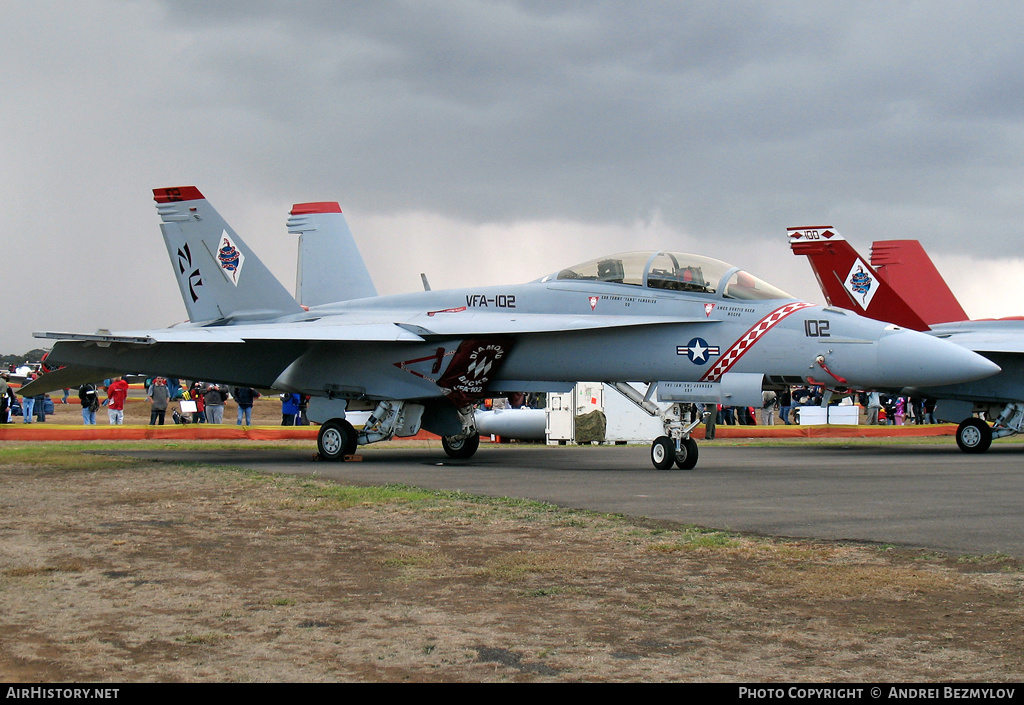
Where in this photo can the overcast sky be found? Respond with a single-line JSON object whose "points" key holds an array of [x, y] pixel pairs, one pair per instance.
{"points": [[495, 142]]}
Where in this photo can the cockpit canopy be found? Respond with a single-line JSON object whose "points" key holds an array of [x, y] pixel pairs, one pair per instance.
{"points": [[673, 271]]}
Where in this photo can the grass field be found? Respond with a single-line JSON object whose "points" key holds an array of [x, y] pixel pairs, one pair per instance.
{"points": [[115, 569]]}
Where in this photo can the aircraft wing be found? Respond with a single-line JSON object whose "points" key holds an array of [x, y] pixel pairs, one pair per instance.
{"points": [[985, 340], [89, 357], [67, 378], [306, 331], [97, 356]]}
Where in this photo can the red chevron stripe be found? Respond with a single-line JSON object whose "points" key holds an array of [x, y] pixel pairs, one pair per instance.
{"points": [[749, 339]]}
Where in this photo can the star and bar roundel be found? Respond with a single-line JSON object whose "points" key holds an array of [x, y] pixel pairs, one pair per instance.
{"points": [[731, 356], [698, 351]]}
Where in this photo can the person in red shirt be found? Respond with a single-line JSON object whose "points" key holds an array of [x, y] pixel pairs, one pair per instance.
{"points": [[117, 393]]}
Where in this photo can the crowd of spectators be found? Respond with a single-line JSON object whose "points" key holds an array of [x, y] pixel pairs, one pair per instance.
{"points": [[202, 402], [31, 409], [784, 408]]}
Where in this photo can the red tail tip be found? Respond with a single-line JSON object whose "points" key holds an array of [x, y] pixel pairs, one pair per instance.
{"points": [[319, 207], [177, 193]]}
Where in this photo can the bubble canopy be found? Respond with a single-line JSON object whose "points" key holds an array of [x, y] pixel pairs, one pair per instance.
{"points": [[672, 271]]}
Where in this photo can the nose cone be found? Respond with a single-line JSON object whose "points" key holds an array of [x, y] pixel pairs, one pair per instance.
{"points": [[911, 359]]}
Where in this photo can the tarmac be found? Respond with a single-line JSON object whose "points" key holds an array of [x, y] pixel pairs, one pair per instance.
{"points": [[927, 495]]}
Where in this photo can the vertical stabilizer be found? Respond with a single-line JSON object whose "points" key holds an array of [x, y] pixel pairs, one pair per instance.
{"points": [[219, 277], [330, 267], [848, 281], [910, 271]]}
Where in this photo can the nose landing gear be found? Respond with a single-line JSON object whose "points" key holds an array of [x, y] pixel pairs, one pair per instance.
{"points": [[682, 451]]}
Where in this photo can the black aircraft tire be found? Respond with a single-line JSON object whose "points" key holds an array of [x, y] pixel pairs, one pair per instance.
{"points": [[663, 452], [973, 435], [462, 448], [687, 459], [336, 439]]}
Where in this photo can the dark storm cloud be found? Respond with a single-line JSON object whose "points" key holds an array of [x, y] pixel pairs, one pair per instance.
{"points": [[569, 127], [716, 114]]}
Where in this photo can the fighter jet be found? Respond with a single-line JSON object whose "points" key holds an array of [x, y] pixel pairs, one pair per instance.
{"points": [[691, 328], [905, 288]]}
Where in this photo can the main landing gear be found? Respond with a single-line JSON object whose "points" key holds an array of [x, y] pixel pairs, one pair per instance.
{"points": [[338, 439], [975, 435], [460, 448], [465, 444]]}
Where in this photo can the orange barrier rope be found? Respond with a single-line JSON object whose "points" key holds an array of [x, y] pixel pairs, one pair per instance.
{"points": [[830, 431], [102, 432]]}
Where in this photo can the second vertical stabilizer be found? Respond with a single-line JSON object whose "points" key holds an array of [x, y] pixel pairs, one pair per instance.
{"points": [[330, 267], [910, 271]]}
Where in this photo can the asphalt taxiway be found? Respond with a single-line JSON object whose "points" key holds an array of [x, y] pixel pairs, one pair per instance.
{"points": [[926, 496]]}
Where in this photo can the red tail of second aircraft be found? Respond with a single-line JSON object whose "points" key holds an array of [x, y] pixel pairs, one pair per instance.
{"points": [[848, 281], [909, 271]]}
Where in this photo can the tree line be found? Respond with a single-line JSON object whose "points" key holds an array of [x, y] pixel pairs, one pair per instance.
{"points": [[31, 356]]}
